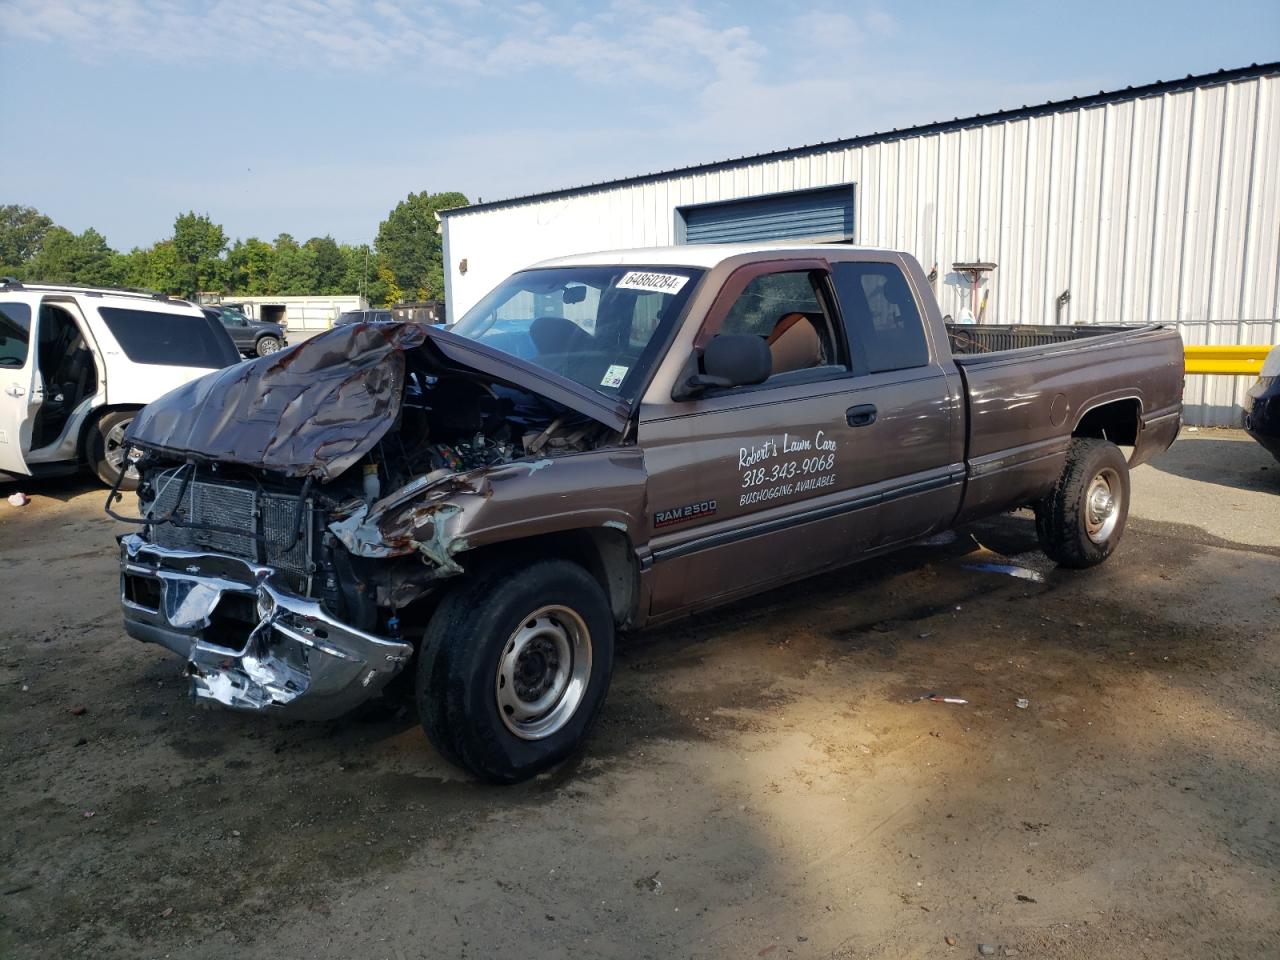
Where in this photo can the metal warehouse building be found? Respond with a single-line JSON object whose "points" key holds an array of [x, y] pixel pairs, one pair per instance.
{"points": [[1152, 204]]}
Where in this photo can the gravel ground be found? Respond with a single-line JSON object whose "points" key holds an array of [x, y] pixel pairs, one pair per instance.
{"points": [[763, 781]]}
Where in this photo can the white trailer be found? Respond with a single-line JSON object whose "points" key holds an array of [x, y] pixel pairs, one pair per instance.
{"points": [[300, 315]]}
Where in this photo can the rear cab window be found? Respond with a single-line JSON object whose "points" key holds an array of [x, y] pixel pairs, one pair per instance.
{"points": [[885, 330], [169, 339]]}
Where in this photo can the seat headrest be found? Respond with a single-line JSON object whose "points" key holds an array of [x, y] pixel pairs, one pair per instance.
{"points": [[795, 344]]}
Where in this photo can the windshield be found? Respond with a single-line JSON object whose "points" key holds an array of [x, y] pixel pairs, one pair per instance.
{"points": [[597, 326]]}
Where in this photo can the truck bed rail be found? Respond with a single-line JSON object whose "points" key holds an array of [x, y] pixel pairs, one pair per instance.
{"points": [[968, 339]]}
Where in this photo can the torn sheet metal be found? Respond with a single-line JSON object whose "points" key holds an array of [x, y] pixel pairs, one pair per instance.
{"points": [[312, 410], [401, 524], [424, 528]]}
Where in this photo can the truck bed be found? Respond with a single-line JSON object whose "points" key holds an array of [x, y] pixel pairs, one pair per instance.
{"points": [[1029, 389]]}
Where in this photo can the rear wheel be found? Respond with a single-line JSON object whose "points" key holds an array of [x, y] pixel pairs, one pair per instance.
{"points": [[1081, 521], [107, 452], [267, 345], [515, 668]]}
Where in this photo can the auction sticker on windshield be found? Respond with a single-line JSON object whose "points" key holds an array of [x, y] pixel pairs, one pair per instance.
{"points": [[652, 282], [614, 376]]}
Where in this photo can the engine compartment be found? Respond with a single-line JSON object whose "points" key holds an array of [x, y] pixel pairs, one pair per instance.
{"points": [[453, 424]]}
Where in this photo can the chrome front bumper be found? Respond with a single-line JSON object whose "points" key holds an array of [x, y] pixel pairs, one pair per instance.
{"points": [[287, 655]]}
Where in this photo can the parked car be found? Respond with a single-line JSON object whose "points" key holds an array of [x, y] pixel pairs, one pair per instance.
{"points": [[78, 363], [696, 424], [253, 338], [363, 316], [1262, 405]]}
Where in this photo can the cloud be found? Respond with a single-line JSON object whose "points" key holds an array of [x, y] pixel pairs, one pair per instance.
{"points": [[623, 42], [584, 92]]}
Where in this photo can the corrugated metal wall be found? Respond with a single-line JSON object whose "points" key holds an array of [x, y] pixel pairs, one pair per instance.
{"points": [[1164, 209]]}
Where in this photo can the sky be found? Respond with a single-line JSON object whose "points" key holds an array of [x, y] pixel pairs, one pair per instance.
{"points": [[316, 117]]}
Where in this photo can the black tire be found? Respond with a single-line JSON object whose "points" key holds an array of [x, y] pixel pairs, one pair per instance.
{"points": [[266, 345], [1074, 524], [104, 451], [470, 636]]}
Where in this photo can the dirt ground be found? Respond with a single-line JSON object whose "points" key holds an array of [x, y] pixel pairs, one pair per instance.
{"points": [[763, 781]]}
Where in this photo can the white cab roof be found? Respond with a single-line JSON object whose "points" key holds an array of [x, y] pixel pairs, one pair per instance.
{"points": [[704, 255]]}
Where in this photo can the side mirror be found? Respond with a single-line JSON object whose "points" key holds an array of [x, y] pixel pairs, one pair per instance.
{"points": [[730, 360]]}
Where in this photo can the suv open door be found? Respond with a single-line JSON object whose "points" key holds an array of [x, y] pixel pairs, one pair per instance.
{"points": [[21, 391]]}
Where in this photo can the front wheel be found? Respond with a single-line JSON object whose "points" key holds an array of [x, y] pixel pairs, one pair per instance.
{"points": [[107, 452], [515, 667], [1082, 519], [267, 346]]}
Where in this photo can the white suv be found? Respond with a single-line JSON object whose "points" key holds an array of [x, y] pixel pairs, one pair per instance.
{"points": [[76, 364]]}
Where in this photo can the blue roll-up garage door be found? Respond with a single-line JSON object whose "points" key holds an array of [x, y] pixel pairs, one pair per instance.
{"points": [[823, 214]]}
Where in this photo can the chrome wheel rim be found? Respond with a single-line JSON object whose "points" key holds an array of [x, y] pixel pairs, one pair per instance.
{"points": [[116, 451], [543, 672], [268, 345], [1102, 505]]}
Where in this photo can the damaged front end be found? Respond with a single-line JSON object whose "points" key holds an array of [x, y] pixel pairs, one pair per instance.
{"points": [[250, 641], [267, 554]]}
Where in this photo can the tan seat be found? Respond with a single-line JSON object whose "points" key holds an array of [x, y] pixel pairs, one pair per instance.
{"points": [[794, 344]]}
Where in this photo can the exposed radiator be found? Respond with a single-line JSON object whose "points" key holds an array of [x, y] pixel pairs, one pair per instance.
{"points": [[238, 508]]}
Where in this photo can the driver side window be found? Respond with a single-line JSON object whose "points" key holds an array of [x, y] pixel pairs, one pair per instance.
{"points": [[788, 311]]}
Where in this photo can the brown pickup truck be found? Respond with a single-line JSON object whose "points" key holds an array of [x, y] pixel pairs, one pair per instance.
{"points": [[601, 443]]}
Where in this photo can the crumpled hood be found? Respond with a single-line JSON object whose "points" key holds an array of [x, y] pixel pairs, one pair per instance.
{"points": [[314, 409]]}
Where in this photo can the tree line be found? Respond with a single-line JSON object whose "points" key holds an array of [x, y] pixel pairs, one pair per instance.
{"points": [[404, 263]]}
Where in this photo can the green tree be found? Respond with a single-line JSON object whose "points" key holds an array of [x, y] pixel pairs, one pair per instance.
{"points": [[22, 229], [131, 267], [330, 265], [199, 244], [410, 244], [294, 270], [391, 292], [65, 257], [361, 273], [157, 267], [249, 266]]}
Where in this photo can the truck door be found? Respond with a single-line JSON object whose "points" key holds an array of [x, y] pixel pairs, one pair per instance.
{"points": [[20, 389], [753, 486], [910, 451]]}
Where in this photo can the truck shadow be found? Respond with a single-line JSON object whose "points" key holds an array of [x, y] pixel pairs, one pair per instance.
{"points": [[61, 489], [1238, 463]]}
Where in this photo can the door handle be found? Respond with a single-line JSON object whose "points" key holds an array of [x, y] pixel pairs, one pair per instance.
{"points": [[863, 415], [16, 391]]}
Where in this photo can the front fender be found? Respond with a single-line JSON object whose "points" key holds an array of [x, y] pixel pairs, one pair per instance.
{"points": [[442, 517]]}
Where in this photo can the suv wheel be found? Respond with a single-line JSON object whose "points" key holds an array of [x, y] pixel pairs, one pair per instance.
{"points": [[107, 450], [514, 669], [267, 345], [1080, 522]]}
